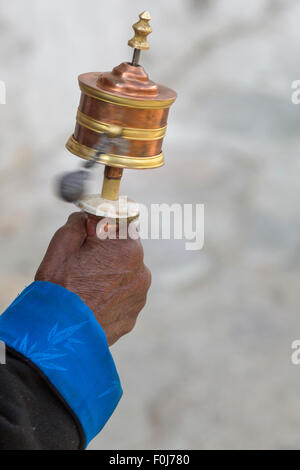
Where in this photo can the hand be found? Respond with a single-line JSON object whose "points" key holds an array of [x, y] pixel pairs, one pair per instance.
{"points": [[108, 275]]}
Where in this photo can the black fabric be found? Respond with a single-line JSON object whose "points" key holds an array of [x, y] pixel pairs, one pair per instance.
{"points": [[33, 416]]}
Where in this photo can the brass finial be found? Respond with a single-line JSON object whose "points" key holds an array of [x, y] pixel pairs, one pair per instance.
{"points": [[142, 30]]}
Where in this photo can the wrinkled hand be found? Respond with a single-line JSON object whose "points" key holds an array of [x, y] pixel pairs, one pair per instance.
{"points": [[108, 275]]}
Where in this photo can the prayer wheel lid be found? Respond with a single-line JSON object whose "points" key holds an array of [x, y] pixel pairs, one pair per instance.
{"points": [[126, 81], [129, 80]]}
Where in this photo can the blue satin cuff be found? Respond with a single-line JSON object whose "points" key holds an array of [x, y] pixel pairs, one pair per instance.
{"points": [[56, 330]]}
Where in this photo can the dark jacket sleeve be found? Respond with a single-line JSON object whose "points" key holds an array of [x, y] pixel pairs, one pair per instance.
{"points": [[59, 385], [33, 416]]}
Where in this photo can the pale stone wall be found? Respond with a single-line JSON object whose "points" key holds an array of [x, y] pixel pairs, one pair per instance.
{"points": [[208, 365]]}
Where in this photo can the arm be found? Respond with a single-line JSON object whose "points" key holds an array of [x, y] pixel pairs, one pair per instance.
{"points": [[86, 295]]}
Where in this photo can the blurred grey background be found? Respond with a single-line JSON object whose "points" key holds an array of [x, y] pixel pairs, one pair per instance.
{"points": [[208, 365]]}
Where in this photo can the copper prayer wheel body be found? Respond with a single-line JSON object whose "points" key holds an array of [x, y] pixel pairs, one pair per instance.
{"points": [[127, 98]]}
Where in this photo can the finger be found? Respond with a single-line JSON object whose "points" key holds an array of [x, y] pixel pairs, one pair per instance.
{"points": [[109, 229], [78, 220], [102, 229], [70, 237], [116, 256], [91, 226]]}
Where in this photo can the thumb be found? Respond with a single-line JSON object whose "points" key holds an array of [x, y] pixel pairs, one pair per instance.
{"points": [[70, 237]]}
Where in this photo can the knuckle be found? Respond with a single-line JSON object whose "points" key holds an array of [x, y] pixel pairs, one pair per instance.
{"points": [[136, 251], [70, 231], [128, 328], [76, 223], [130, 322], [138, 307], [147, 278], [65, 232], [62, 231], [139, 251], [142, 304], [76, 217], [131, 325], [60, 235]]}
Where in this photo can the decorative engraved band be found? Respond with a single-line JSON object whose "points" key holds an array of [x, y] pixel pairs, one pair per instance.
{"points": [[128, 132], [122, 101], [119, 161]]}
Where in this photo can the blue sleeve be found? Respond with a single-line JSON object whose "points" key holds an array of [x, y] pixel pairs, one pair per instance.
{"points": [[55, 329]]}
